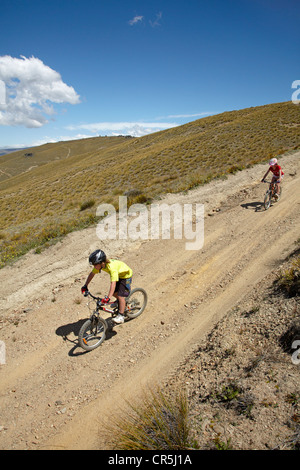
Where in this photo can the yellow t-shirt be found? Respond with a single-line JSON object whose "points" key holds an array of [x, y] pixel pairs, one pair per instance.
{"points": [[117, 270]]}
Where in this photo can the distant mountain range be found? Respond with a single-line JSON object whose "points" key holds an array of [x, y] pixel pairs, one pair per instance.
{"points": [[5, 151]]}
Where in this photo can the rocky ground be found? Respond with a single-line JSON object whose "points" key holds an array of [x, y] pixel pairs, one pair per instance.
{"points": [[243, 380], [211, 314]]}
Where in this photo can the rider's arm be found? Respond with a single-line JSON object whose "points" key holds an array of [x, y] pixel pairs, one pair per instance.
{"points": [[266, 174], [112, 289], [89, 278]]}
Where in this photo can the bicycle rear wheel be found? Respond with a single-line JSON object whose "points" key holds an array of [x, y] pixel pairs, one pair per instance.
{"points": [[267, 200], [92, 334], [136, 302]]}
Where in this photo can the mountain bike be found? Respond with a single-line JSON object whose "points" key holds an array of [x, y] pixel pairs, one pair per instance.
{"points": [[271, 194], [93, 331]]}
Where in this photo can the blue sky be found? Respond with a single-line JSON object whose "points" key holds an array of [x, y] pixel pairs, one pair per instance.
{"points": [[74, 68]]}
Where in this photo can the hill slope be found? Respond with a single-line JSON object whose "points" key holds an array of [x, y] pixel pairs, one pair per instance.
{"points": [[51, 390], [57, 189]]}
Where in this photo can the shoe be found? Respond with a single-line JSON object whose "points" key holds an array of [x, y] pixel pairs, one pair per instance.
{"points": [[119, 318], [276, 197]]}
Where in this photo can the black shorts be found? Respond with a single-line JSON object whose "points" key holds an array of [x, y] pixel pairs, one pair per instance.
{"points": [[123, 287]]}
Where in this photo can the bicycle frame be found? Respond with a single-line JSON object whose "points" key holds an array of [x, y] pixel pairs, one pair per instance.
{"points": [[101, 306], [272, 186], [270, 193]]}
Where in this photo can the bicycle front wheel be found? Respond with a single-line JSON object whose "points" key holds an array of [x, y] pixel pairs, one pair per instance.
{"points": [[136, 302], [92, 334], [267, 200]]}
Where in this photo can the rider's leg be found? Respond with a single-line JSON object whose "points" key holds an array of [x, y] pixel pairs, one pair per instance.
{"points": [[122, 291], [274, 180], [120, 317], [122, 304], [277, 186]]}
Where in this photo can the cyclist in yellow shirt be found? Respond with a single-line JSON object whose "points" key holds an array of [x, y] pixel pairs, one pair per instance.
{"points": [[120, 279]]}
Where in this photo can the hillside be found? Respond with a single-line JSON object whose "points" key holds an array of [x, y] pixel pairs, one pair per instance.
{"points": [[25, 160], [56, 396], [242, 380], [55, 188], [10, 150]]}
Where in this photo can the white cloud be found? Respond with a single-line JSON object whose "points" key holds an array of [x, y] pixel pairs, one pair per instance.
{"points": [[31, 88], [136, 129], [189, 115], [135, 20], [156, 22], [62, 138]]}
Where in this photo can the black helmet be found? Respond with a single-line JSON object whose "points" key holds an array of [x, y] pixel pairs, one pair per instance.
{"points": [[97, 257]]}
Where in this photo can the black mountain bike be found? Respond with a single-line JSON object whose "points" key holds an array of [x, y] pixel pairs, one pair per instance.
{"points": [[93, 331]]}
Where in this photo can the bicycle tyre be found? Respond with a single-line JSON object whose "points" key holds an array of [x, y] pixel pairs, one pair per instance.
{"points": [[135, 305], [267, 200], [91, 336]]}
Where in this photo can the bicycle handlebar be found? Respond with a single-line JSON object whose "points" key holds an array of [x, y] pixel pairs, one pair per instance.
{"points": [[87, 293], [98, 299], [269, 182]]}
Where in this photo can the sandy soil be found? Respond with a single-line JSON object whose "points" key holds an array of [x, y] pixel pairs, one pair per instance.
{"points": [[53, 395]]}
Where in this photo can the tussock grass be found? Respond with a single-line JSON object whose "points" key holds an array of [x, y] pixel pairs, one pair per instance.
{"points": [[159, 422], [57, 184], [289, 279], [87, 204]]}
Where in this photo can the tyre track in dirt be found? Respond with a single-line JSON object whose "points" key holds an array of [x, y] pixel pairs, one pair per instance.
{"points": [[52, 394]]}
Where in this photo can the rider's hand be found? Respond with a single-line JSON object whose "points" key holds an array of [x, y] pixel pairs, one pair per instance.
{"points": [[84, 289], [105, 300]]}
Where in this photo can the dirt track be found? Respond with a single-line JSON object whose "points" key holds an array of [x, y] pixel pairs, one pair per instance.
{"points": [[53, 394]]}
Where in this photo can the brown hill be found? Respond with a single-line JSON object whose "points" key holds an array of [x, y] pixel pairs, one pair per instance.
{"points": [[56, 187]]}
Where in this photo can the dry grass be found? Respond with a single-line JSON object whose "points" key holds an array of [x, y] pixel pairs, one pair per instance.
{"points": [[288, 280], [160, 422], [59, 187]]}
